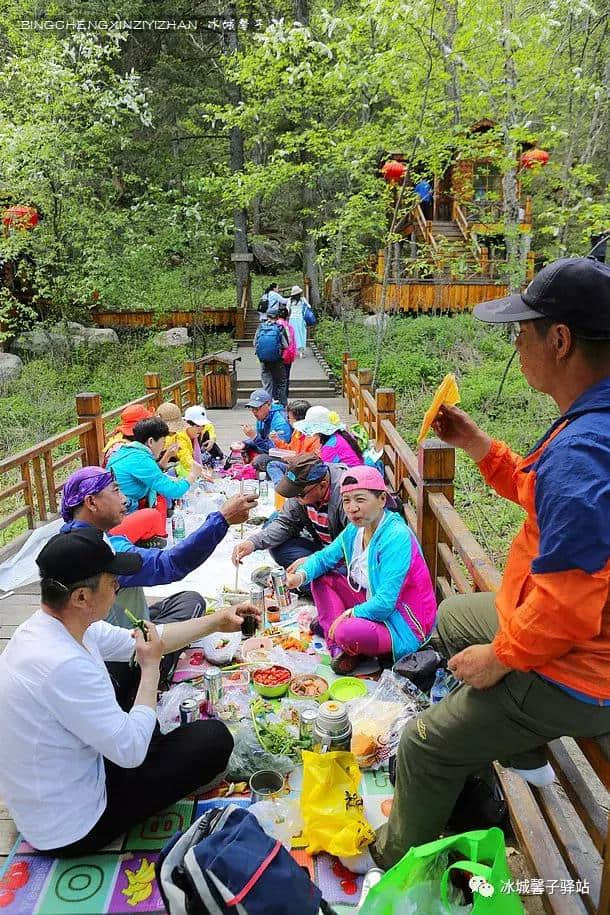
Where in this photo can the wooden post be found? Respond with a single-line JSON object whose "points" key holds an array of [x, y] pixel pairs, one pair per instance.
{"points": [[484, 260], [365, 383], [385, 401], [529, 275], [89, 409], [190, 373], [436, 467], [240, 324], [344, 375], [152, 383], [351, 367]]}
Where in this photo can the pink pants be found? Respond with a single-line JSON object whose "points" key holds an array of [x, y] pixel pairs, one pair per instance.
{"points": [[332, 595], [143, 524]]}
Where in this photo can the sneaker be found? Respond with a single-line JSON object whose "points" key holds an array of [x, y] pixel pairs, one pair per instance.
{"points": [[344, 663], [316, 629], [541, 777], [153, 543]]}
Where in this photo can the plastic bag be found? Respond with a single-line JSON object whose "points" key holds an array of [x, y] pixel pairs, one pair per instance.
{"points": [[378, 719], [422, 881], [332, 809], [297, 662], [249, 757], [168, 707], [279, 818], [221, 647]]}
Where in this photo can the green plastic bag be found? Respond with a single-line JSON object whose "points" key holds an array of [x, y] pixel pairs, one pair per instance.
{"points": [[421, 881]]}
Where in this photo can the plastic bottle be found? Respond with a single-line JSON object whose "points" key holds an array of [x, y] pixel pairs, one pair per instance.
{"points": [[439, 689], [263, 486], [178, 522]]}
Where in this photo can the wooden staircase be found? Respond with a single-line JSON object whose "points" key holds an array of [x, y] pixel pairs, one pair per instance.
{"points": [[453, 252]]}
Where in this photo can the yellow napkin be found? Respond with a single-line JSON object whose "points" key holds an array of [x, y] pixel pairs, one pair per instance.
{"points": [[447, 392]]}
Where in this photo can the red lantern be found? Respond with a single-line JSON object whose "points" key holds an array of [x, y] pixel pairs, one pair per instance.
{"points": [[393, 171], [534, 157], [20, 217]]}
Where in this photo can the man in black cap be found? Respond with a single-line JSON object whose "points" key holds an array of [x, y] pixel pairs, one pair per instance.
{"points": [[311, 518], [76, 771], [534, 659]]}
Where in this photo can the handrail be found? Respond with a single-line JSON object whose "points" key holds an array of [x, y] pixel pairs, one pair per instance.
{"points": [[424, 228]]}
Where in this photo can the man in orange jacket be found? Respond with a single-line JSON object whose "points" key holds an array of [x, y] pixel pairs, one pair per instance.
{"points": [[534, 659]]}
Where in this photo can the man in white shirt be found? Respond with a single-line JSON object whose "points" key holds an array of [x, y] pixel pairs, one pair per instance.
{"points": [[76, 771]]}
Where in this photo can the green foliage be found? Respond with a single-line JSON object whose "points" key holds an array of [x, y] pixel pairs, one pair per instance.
{"points": [[417, 353]]}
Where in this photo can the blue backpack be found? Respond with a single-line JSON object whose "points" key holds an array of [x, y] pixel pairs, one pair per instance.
{"points": [[269, 342], [226, 863]]}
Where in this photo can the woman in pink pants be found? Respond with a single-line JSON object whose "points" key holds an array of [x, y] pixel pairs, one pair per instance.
{"points": [[385, 603]]}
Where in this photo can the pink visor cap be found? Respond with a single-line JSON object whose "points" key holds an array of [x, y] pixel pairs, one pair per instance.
{"points": [[362, 477]]}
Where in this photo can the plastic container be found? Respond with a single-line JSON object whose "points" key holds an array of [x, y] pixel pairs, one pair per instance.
{"points": [[271, 692], [346, 688]]}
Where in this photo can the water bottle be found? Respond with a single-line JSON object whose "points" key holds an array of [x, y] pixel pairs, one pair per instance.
{"points": [[178, 523], [263, 485], [440, 688]]}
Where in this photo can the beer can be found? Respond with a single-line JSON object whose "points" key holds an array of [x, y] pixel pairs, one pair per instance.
{"points": [[306, 722], [278, 580], [189, 711], [213, 688]]}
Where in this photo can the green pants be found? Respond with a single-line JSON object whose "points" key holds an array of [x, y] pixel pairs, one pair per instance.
{"points": [[511, 722]]}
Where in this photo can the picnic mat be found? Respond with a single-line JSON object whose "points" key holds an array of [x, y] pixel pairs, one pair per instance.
{"points": [[121, 878]]}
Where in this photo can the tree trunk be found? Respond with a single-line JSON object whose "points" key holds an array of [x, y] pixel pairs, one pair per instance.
{"points": [[310, 264], [510, 195], [236, 161]]}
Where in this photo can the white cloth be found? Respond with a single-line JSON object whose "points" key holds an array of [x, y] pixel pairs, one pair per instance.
{"points": [[359, 563], [21, 569], [58, 718]]}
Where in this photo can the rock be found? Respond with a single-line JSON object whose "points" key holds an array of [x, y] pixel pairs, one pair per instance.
{"points": [[375, 320], [37, 341], [11, 367], [268, 253], [174, 336], [95, 336]]}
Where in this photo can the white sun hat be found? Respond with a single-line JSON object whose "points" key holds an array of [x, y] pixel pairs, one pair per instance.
{"points": [[320, 420]]}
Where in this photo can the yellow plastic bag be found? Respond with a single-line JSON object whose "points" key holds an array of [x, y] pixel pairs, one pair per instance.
{"points": [[331, 806], [447, 392]]}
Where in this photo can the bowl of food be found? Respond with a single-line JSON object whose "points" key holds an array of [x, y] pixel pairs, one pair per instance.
{"points": [[256, 649], [271, 682], [309, 686]]}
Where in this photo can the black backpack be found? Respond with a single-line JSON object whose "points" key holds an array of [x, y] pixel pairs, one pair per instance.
{"points": [[263, 304]]}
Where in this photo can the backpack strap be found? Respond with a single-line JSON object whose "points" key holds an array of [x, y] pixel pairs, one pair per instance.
{"points": [[260, 870]]}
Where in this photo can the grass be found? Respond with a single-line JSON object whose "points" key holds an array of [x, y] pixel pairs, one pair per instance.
{"points": [[417, 353]]}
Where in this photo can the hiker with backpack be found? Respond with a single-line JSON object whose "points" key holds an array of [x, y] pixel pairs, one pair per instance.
{"points": [[290, 353], [270, 342], [269, 297]]}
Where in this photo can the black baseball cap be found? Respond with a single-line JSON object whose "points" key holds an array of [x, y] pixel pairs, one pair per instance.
{"points": [[82, 553], [573, 291], [305, 471]]}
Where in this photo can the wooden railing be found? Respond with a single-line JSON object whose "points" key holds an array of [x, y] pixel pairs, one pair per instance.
{"points": [[31, 480], [424, 227], [425, 484]]}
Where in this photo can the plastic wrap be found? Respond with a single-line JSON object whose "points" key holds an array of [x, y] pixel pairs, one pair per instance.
{"points": [[221, 647], [297, 662], [249, 757], [168, 707], [378, 719], [279, 818]]}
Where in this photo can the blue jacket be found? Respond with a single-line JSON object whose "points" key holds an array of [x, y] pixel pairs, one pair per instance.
{"points": [[140, 477], [275, 421], [401, 592], [160, 567]]}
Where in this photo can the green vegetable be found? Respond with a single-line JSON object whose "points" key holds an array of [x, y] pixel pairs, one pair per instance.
{"points": [[139, 624], [274, 736]]}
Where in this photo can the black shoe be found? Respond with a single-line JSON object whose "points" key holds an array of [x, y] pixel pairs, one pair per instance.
{"points": [[480, 805], [153, 543]]}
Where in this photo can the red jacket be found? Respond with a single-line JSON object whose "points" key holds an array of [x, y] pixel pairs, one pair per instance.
{"points": [[554, 602]]}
